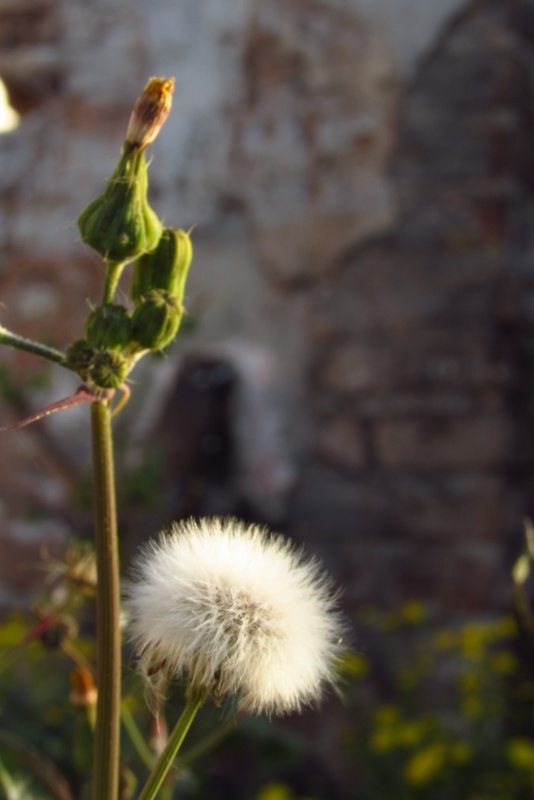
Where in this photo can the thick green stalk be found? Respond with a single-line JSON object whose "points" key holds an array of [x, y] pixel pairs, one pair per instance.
{"points": [[38, 349], [157, 776], [107, 731]]}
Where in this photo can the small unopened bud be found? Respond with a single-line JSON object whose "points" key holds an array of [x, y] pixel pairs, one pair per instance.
{"points": [[149, 112], [166, 267], [109, 327], [156, 319], [120, 224], [83, 692], [80, 357], [108, 369], [63, 628]]}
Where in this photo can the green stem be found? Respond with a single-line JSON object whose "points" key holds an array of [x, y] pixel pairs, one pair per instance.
{"points": [[38, 349], [207, 743], [157, 776], [113, 274], [107, 732], [136, 737]]}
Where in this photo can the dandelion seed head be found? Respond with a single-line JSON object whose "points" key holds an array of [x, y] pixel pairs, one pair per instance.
{"points": [[239, 612]]}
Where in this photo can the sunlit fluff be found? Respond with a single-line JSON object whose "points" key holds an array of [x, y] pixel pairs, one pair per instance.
{"points": [[237, 611]]}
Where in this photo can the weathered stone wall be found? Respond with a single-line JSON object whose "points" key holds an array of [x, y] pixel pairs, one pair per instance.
{"points": [[423, 339], [358, 369]]}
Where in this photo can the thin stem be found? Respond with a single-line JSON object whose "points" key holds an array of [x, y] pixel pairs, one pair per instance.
{"points": [[113, 274], [157, 776], [136, 737], [206, 744], [38, 349], [107, 733]]}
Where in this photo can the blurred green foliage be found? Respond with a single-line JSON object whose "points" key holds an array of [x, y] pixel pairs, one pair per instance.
{"points": [[430, 712], [443, 713]]}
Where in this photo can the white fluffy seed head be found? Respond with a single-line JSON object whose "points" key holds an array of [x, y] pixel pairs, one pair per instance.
{"points": [[238, 612]]}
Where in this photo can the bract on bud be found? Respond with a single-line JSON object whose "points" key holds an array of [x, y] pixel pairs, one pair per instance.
{"points": [[109, 327], [149, 113], [156, 319], [166, 267], [79, 358], [108, 369], [120, 225]]}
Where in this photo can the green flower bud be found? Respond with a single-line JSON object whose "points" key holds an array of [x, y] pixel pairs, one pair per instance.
{"points": [[120, 225], [109, 327], [108, 369], [166, 267], [156, 319], [79, 358]]}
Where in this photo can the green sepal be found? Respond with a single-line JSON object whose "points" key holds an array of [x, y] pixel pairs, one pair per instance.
{"points": [[120, 225], [156, 319], [166, 267], [109, 327]]}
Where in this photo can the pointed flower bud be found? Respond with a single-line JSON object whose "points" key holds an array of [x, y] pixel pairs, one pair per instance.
{"points": [[166, 267], [109, 327], [108, 369], [120, 225], [156, 319], [149, 113]]}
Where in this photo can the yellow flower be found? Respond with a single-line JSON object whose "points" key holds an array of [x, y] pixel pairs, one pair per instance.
{"points": [[411, 733], [275, 791], [475, 638], [426, 765], [504, 662], [386, 715], [520, 753], [354, 664], [384, 740], [460, 752], [413, 612]]}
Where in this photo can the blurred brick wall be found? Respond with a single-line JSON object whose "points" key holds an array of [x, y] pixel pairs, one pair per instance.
{"points": [[362, 203]]}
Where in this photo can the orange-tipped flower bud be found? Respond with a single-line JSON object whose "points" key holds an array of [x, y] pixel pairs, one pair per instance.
{"points": [[150, 112], [83, 690]]}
